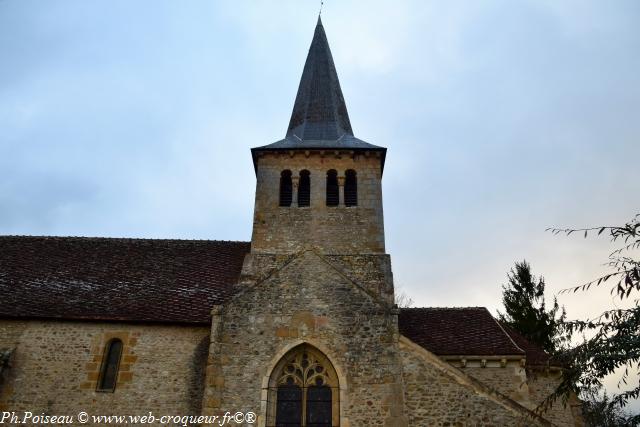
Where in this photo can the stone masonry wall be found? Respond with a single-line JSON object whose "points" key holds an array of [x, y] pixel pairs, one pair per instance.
{"points": [[55, 368], [541, 384], [510, 380], [435, 398], [309, 301], [10, 333], [527, 387], [372, 271], [339, 229]]}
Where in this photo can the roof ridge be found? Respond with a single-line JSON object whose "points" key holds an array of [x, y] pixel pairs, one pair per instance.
{"points": [[142, 239]]}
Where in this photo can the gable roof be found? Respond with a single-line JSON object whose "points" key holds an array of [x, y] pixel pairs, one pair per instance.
{"points": [[179, 281], [536, 356], [457, 331], [137, 280]]}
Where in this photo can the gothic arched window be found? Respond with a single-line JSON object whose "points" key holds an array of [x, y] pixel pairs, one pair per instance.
{"points": [[110, 365], [350, 188], [333, 190], [286, 188], [304, 189], [303, 391]]}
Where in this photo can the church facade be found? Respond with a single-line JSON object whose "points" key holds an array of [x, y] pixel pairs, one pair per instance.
{"points": [[298, 327]]}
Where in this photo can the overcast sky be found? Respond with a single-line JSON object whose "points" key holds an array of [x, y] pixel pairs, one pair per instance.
{"points": [[502, 118]]}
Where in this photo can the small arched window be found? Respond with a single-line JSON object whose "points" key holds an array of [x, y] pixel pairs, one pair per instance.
{"points": [[285, 188], [333, 191], [351, 188], [110, 365], [304, 189]]}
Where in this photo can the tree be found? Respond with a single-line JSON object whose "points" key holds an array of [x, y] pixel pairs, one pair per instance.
{"points": [[402, 300], [612, 341], [525, 309], [597, 411]]}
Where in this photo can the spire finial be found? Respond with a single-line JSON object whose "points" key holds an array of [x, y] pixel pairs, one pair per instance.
{"points": [[321, 3]]}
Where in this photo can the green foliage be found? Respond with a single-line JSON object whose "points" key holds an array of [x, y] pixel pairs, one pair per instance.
{"points": [[525, 310], [613, 342], [598, 411]]}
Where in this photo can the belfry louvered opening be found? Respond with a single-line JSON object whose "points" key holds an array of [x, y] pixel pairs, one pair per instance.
{"points": [[333, 191], [286, 188], [351, 188], [304, 189]]}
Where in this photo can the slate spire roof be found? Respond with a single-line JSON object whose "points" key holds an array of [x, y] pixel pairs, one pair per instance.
{"points": [[319, 112], [319, 120]]}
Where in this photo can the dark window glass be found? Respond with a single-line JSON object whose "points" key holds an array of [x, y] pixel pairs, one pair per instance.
{"points": [[332, 188], [304, 189], [351, 188], [285, 188], [289, 406], [319, 406], [110, 364]]}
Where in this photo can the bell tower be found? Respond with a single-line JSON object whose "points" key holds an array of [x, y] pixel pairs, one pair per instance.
{"points": [[320, 186], [311, 326]]}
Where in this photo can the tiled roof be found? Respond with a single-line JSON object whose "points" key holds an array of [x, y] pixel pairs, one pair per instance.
{"points": [[116, 279], [535, 355], [179, 281], [456, 331]]}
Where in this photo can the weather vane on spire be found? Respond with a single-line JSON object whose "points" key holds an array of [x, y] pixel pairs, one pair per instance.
{"points": [[321, 3]]}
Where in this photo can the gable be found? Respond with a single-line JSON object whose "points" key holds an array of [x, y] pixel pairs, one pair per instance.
{"points": [[178, 281], [436, 393], [309, 280]]}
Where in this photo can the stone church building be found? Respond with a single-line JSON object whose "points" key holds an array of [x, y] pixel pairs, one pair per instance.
{"points": [[298, 326]]}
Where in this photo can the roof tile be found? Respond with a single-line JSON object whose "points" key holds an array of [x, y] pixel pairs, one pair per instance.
{"points": [[179, 281], [456, 331], [116, 279]]}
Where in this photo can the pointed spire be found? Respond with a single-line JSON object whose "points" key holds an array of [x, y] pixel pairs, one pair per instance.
{"points": [[319, 120], [319, 112]]}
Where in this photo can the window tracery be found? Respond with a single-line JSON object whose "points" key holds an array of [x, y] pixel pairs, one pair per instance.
{"points": [[303, 391]]}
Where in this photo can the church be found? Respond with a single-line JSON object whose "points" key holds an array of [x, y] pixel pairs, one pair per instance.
{"points": [[298, 327]]}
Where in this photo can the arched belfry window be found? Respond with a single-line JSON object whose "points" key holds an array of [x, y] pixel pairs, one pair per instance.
{"points": [[286, 188], [110, 364], [304, 188], [351, 188], [303, 391], [333, 191]]}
